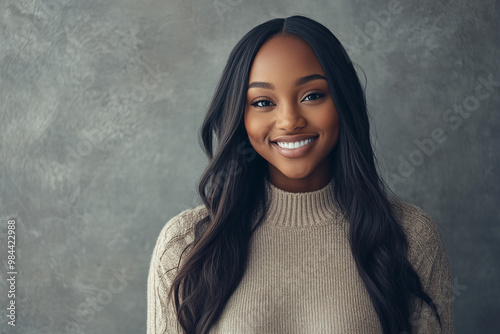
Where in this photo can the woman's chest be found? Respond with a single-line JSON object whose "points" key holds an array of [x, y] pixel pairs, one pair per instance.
{"points": [[299, 284]]}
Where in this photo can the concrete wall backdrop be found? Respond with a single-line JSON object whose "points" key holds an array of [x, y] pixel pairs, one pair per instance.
{"points": [[101, 102]]}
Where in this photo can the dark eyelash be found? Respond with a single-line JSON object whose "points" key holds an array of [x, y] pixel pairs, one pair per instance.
{"points": [[261, 100], [319, 93]]}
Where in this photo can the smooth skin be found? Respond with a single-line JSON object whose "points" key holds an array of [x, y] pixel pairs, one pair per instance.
{"points": [[282, 108]]}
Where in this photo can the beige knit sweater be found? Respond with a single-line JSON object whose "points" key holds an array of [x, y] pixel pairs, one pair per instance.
{"points": [[301, 276]]}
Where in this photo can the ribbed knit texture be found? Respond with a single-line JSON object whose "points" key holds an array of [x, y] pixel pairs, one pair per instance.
{"points": [[301, 276]]}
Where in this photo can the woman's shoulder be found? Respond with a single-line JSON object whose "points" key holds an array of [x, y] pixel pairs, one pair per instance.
{"points": [[413, 218], [422, 231], [177, 233], [183, 222]]}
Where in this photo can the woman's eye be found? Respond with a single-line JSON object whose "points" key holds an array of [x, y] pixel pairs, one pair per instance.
{"points": [[313, 96], [261, 103], [266, 103]]}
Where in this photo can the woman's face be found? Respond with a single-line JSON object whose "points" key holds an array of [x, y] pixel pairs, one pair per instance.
{"points": [[288, 100]]}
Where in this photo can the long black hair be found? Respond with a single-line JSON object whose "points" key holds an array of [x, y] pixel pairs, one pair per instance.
{"points": [[232, 189]]}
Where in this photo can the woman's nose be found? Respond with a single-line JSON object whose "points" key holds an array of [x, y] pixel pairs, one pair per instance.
{"points": [[289, 118]]}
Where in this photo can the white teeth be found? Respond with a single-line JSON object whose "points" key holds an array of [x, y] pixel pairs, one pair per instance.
{"points": [[294, 145]]}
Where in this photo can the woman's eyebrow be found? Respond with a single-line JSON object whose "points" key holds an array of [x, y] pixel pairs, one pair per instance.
{"points": [[300, 81]]}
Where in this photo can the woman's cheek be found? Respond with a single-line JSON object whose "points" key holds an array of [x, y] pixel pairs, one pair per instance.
{"points": [[255, 128], [328, 118]]}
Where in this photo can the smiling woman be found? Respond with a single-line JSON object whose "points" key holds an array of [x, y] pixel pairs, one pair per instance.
{"points": [[290, 119], [302, 236]]}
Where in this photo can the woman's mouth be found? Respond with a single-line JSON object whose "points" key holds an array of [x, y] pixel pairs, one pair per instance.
{"points": [[294, 149]]}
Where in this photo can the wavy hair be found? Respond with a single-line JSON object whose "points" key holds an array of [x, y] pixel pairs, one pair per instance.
{"points": [[232, 188]]}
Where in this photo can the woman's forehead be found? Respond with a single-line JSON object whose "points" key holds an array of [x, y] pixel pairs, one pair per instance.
{"points": [[284, 57]]}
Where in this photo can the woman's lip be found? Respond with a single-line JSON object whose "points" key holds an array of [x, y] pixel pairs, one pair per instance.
{"points": [[293, 139], [294, 152]]}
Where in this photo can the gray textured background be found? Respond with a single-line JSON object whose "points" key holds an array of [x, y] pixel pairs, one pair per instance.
{"points": [[101, 102]]}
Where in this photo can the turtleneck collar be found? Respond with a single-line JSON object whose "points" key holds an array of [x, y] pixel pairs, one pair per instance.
{"points": [[300, 209]]}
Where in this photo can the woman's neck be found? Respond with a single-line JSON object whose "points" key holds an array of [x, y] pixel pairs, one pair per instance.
{"points": [[300, 209]]}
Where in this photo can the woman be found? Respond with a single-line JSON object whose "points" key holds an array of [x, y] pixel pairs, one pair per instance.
{"points": [[297, 232]]}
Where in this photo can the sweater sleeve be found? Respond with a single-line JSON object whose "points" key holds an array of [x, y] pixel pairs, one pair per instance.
{"points": [[173, 238], [427, 253]]}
